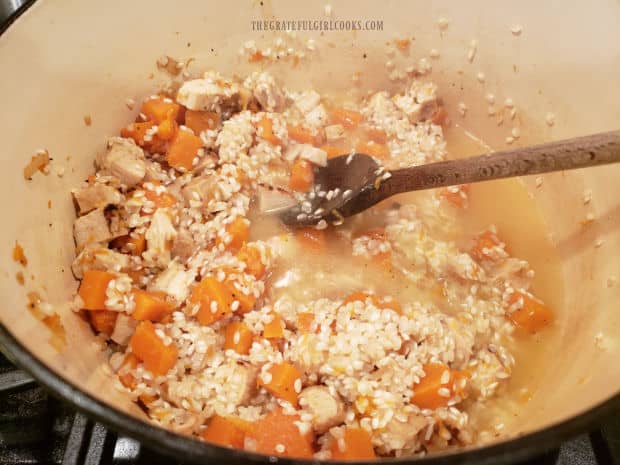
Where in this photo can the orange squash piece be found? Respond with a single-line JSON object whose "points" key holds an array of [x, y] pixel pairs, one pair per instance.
{"points": [[251, 256], [206, 292], [302, 176], [348, 118], [426, 392], [159, 110], [246, 301], [264, 129], [225, 431], [167, 129], [276, 429], [157, 357], [127, 379], [301, 135], [239, 232], [357, 446], [92, 289], [238, 337], [378, 136], [275, 328], [282, 382], [103, 321], [161, 200], [333, 151], [183, 149], [151, 306], [134, 244], [533, 316], [137, 131], [199, 121], [373, 149]]}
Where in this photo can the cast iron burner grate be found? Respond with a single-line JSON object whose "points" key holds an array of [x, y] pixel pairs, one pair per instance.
{"points": [[35, 428]]}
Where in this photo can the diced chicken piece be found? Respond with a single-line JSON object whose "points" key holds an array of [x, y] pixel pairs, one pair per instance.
{"points": [[123, 329], [334, 132], [316, 118], [91, 228], [273, 199], [326, 410], [174, 281], [123, 159], [118, 224], [313, 154], [201, 189], [419, 103], [210, 93], [307, 152], [402, 435], [183, 246], [96, 196], [208, 162], [244, 380], [307, 101], [154, 172], [407, 104], [266, 91], [99, 258], [159, 238]]}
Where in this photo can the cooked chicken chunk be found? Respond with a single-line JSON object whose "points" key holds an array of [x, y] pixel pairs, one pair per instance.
{"points": [[326, 410], [273, 199], [123, 159], [183, 246], [201, 189], [266, 91], [99, 258], [244, 378], [419, 102], [174, 281], [123, 329], [95, 196], [307, 152], [313, 154], [159, 238], [210, 93], [307, 101], [91, 228]]}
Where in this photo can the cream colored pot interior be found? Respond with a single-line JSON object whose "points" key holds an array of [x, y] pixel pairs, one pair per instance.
{"points": [[63, 60]]}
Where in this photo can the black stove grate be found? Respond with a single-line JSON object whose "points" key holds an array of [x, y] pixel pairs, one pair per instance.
{"points": [[37, 429]]}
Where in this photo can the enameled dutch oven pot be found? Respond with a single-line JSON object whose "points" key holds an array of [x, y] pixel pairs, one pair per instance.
{"points": [[61, 60]]}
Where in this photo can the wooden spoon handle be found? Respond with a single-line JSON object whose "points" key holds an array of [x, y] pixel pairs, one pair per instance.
{"points": [[597, 149]]}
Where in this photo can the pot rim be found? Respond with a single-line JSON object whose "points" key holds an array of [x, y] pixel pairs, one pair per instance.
{"points": [[511, 450]]}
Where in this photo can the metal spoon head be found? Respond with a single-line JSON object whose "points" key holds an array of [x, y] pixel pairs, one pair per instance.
{"points": [[341, 189]]}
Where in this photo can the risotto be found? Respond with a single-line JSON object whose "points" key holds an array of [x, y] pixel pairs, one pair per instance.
{"points": [[385, 336]]}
